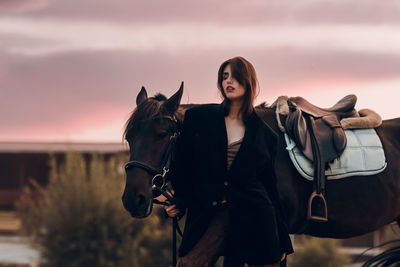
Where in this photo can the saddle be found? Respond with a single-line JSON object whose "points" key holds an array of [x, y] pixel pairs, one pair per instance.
{"points": [[325, 125], [319, 135]]}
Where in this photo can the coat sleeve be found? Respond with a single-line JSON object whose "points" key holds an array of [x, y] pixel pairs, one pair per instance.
{"points": [[182, 166], [283, 232]]}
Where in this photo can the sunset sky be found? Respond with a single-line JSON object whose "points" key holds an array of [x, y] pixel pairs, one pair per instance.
{"points": [[71, 70]]}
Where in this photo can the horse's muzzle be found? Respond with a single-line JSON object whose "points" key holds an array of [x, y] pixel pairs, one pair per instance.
{"points": [[137, 204]]}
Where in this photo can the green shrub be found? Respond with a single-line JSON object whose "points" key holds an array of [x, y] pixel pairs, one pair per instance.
{"points": [[79, 219], [317, 252]]}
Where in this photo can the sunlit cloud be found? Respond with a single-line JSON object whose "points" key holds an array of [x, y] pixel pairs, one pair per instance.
{"points": [[236, 13], [21, 6], [69, 36]]}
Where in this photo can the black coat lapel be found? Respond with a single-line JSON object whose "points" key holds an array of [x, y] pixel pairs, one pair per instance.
{"points": [[222, 136], [244, 153]]}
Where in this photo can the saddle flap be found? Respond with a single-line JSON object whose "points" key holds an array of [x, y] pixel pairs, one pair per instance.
{"points": [[300, 130], [290, 124], [296, 127], [338, 135], [331, 140], [339, 140]]}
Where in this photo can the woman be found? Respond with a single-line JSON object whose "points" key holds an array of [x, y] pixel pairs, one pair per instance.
{"points": [[224, 177]]}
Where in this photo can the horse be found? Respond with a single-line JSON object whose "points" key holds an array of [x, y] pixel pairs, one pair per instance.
{"points": [[357, 205]]}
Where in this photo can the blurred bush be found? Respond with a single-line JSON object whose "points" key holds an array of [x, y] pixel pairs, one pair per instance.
{"points": [[317, 252], [389, 232], [79, 219]]}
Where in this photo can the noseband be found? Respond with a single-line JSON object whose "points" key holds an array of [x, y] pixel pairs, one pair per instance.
{"points": [[158, 182]]}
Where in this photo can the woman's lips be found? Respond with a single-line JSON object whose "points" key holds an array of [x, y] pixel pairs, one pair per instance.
{"points": [[229, 89]]}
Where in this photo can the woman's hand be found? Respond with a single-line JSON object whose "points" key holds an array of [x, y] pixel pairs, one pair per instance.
{"points": [[172, 211], [283, 256]]}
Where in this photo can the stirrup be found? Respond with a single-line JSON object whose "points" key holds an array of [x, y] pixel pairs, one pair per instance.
{"points": [[316, 196]]}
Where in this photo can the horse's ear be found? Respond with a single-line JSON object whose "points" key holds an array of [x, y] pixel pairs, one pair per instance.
{"points": [[141, 97], [173, 102]]}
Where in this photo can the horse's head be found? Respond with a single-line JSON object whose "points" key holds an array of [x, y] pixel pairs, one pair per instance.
{"points": [[150, 132]]}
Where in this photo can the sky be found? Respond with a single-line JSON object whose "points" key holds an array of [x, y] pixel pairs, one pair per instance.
{"points": [[71, 70]]}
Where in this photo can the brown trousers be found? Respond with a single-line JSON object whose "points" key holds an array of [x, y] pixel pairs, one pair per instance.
{"points": [[211, 246]]}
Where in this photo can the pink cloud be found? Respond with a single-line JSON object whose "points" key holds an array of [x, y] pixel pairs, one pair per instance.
{"points": [[62, 95], [234, 12], [79, 92], [21, 6], [89, 119]]}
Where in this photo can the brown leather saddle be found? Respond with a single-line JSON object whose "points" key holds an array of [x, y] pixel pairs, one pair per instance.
{"points": [[319, 135]]}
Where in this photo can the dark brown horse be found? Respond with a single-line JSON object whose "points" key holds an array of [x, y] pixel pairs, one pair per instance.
{"points": [[356, 205]]}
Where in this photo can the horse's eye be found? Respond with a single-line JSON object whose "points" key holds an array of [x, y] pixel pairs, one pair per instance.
{"points": [[162, 135]]}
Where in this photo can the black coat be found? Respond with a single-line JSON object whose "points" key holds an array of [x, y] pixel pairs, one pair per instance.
{"points": [[201, 181]]}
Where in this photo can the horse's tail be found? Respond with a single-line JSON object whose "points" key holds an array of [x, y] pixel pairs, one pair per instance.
{"points": [[389, 257]]}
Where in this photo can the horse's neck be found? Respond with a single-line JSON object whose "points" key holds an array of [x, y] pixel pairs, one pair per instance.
{"points": [[390, 129]]}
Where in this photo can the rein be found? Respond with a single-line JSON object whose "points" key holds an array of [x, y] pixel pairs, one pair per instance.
{"points": [[159, 184]]}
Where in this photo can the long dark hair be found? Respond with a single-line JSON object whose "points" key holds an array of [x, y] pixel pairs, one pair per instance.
{"points": [[244, 72]]}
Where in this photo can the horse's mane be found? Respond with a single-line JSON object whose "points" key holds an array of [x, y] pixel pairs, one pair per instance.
{"points": [[263, 105], [149, 108], [159, 97]]}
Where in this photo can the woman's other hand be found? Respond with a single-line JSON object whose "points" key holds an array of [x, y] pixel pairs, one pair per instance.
{"points": [[172, 211], [283, 256]]}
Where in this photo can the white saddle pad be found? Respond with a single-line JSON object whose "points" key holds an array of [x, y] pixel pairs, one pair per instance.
{"points": [[363, 155]]}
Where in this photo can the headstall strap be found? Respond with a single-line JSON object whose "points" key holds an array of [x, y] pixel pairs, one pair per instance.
{"points": [[158, 181]]}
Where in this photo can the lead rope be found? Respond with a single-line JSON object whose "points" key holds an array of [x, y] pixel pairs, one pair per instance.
{"points": [[170, 199], [175, 226]]}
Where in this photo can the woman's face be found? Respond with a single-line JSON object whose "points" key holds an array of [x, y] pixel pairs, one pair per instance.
{"points": [[233, 90]]}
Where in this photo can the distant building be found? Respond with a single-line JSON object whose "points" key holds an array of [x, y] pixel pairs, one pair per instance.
{"points": [[22, 161]]}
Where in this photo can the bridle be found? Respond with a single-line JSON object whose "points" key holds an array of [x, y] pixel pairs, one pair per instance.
{"points": [[159, 181]]}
